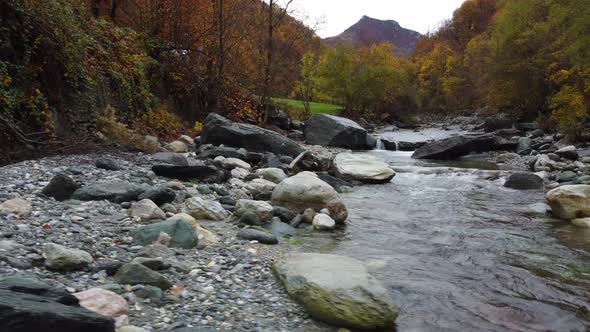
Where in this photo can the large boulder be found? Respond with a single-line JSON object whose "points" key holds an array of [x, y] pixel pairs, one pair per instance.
{"points": [[218, 130], [203, 173], [362, 167], [306, 190], [570, 202], [117, 191], [21, 311], [455, 147], [182, 233], [338, 290], [330, 130]]}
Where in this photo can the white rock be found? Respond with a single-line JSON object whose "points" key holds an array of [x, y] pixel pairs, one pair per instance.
{"points": [[17, 206], [261, 208], [323, 222], [177, 146], [275, 175], [186, 140], [239, 173], [262, 185], [146, 210], [583, 222], [363, 168], [306, 190], [231, 163], [202, 209]]}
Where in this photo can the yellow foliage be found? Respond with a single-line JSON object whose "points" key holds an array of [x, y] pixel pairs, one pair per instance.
{"points": [[117, 132]]}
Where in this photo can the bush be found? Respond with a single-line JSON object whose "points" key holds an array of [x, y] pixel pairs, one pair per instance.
{"points": [[117, 132]]}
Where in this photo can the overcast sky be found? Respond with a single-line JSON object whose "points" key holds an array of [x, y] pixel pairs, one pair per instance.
{"points": [[338, 15]]}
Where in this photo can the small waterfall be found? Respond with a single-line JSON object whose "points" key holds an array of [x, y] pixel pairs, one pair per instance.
{"points": [[380, 145], [396, 145]]}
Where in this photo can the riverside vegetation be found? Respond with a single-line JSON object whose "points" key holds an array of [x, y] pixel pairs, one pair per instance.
{"points": [[177, 197]]}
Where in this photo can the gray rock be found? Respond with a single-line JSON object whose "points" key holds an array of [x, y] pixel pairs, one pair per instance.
{"points": [[570, 202], [567, 176], [455, 147], [330, 130], [496, 123], [146, 210], [568, 152], [22, 312], [182, 234], [107, 163], [61, 187], [137, 274], [251, 234], [171, 158], [524, 181], [524, 146], [308, 215], [284, 214], [60, 258], [338, 290], [160, 196], [281, 229], [250, 218], [363, 168], [117, 191], [203, 173], [225, 152], [218, 130]]}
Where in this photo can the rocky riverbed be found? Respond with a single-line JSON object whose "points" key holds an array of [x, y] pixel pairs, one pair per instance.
{"points": [[186, 239]]}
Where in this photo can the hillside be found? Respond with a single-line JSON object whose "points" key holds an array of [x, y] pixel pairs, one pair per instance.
{"points": [[370, 31]]}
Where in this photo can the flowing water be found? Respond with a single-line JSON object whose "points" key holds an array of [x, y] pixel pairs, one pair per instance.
{"points": [[460, 252]]}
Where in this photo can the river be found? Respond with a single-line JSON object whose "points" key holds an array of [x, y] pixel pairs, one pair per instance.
{"points": [[460, 252]]}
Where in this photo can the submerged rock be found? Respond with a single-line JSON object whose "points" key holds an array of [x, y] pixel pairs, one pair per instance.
{"points": [[306, 190], [570, 202], [330, 130], [338, 290], [363, 168]]}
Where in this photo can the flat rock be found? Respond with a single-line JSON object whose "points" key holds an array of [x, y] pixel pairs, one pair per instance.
{"points": [[524, 181], [203, 173], [146, 210], [17, 206], [205, 209], [137, 274], [171, 158], [455, 147], [362, 167], [117, 191], [103, 302], [251, 234]]}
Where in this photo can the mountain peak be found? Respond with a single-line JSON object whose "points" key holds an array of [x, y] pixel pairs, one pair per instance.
{"points": [[369, 31]]}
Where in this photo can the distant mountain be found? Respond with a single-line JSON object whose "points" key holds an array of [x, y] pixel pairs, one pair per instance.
{"points": [[370, 31]]}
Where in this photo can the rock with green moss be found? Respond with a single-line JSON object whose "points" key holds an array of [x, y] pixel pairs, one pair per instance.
{"points": [[337, 290]]}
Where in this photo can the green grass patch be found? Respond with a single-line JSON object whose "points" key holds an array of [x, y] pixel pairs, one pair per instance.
{"points": [[315, 108]]}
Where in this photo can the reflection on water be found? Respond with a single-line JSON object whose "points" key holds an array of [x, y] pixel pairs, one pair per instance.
{"points": [[463, 253]]}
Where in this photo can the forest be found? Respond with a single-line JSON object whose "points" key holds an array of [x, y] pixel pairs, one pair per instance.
{"points": [[158, 67]]}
